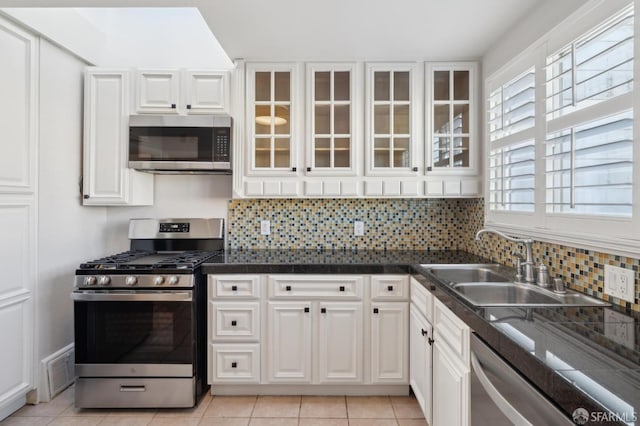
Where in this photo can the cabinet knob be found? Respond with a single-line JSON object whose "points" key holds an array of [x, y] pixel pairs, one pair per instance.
{"points": [[423, 331], [188, 106], [86, 197], [341, 288], [234, 288], [430, 340], [429, 168], [306, 309], [375, 310], [173, 106], [390, 288], [294, 169], [234, 323], [415, 169], [288, 288], [234, 364], [308, 169], [323, 310]]}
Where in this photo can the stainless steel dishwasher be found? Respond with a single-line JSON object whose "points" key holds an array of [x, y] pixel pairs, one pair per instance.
{"points": [[500, 396]]}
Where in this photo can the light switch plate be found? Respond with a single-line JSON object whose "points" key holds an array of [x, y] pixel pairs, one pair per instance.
{"points": [[619, 328], [265, 227], [358, 228], [619, 282]]}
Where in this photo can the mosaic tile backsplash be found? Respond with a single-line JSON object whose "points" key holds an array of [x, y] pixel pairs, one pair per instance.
{"points": [[409, 224]]}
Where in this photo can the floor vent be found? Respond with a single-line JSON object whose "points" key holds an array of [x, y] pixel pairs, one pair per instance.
{"points": [[60, 371]]}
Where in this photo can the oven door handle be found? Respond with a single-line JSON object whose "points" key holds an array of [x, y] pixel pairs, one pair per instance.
{"points": [[156, 296]]}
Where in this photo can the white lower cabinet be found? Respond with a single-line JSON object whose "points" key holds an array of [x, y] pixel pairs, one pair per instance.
{"points": [[389, 342], [340, 343], [451, 389], [420, 360], [288, 345]]}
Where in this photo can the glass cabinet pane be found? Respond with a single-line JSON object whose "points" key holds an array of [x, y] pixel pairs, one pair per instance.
{"points": [[441, 152], [263, 86], [441, 119], [282, 87], [263, 152], [342, 85], [381, 151], [322, 152], [342, 119], [381, 119], [281, 120], [323, 86], [263, 119], [342, 152], [282, 155], [322, 120], [382, 85], [461, 118], [441, 86], [461, 85], [401, 153], [401, 86], [401, 119]]}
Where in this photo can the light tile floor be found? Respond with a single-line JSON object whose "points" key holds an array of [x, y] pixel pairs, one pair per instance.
{"points": [[235, 411]]}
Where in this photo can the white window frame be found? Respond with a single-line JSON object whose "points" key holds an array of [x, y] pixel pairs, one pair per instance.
{"points": [[616, 235]]}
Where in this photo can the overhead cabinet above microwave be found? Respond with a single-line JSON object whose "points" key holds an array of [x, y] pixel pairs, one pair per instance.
{"points": [[111, 96]]}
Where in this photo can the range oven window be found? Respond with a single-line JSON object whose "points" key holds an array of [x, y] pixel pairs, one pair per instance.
{"points": [[171, 144], [146, 332]]}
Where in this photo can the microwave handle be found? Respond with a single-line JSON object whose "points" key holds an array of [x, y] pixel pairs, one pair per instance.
{"points": [[114, 296]]}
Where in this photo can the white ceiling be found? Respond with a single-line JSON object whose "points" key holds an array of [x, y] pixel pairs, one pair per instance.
{"points": [[342, 29]]}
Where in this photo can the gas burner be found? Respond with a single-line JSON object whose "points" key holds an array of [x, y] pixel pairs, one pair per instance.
{"points": [[113, 261], [141, 260]]}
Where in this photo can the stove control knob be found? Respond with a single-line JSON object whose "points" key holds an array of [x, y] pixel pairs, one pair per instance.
{"points": [[173, 280], [104, 280], [131, 281], [90, 280], [158, 281]]}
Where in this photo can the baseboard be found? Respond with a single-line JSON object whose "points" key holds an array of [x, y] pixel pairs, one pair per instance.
{"points": [[56, 372], [351, 390], [12, 405]]}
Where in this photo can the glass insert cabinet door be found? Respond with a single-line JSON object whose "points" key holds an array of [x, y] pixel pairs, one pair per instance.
{"points": [[451, 116], [390, 136], [330, 90], [271, 118]]}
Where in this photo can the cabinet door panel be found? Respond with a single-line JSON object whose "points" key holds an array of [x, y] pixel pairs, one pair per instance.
{"points": [[206, 92], [157, 91], [451, 382], [420, 361], [288, 349], [389, 342], [340, 342]]}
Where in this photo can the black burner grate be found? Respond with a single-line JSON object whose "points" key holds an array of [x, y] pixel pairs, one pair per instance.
{"points": [[135, 260]]}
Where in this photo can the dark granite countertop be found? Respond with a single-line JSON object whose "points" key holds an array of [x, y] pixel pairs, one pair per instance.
{"points": [[568, 353]]}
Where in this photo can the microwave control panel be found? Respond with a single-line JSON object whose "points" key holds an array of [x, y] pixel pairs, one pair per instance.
{"points": [[222, 144]]}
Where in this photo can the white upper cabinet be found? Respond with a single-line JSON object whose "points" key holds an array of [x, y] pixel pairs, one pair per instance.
{"points": [[272, 119], [451, 122], [181, 92], [332, 124], [391, 140], [106, 178]]}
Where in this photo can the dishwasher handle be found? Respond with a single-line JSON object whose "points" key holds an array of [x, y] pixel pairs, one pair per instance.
{"points": [[483, 360]]}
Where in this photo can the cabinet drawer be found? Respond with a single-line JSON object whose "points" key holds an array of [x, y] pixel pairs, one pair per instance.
{"points": [[234, 286], [451, 331], [235, 363], [422, 298], [390, 287], [310, 287], [235, 321]]}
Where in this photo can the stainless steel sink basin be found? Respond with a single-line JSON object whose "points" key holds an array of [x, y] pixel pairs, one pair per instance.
{"points": [[492, 285], [469, 273]]}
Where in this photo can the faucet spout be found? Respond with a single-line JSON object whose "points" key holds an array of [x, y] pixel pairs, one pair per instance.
{"points": [[528, 245]]}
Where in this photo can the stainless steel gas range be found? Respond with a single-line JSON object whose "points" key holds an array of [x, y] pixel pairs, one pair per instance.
{"points": [[140, 317]]}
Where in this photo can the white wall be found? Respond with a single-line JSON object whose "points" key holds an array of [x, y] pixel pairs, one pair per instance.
{"points": [[175, 196], [68, 233]]}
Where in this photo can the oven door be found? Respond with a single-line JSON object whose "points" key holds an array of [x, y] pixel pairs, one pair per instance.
{"points": [[134, 333]]}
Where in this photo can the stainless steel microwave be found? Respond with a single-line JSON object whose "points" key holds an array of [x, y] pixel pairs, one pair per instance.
{"points": [[180, 144]]}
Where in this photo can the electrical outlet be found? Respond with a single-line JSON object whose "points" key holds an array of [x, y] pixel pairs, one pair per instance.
{"points": [[358, 228], [619, 328], [265, 227], [619, 282]]}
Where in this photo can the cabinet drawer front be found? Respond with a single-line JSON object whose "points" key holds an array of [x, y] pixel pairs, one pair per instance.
{"points": [[239, 363], [390, 287], [234, 286], [235, 321], [451, 331], [309, 287], [423, 299]]}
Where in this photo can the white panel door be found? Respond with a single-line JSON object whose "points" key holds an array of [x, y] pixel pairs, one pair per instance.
{"points": [[288, 348], [340, 343], [157, 91], [18, 109], [17, 315], [206, 92], [390, 342], [420, 361], [451, 399]]}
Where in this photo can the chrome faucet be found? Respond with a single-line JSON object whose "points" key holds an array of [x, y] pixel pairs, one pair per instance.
{"points": [[528, 264]]}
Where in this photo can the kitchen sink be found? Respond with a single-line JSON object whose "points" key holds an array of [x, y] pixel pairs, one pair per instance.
{"points": [[492, 285], [469, 273]]}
